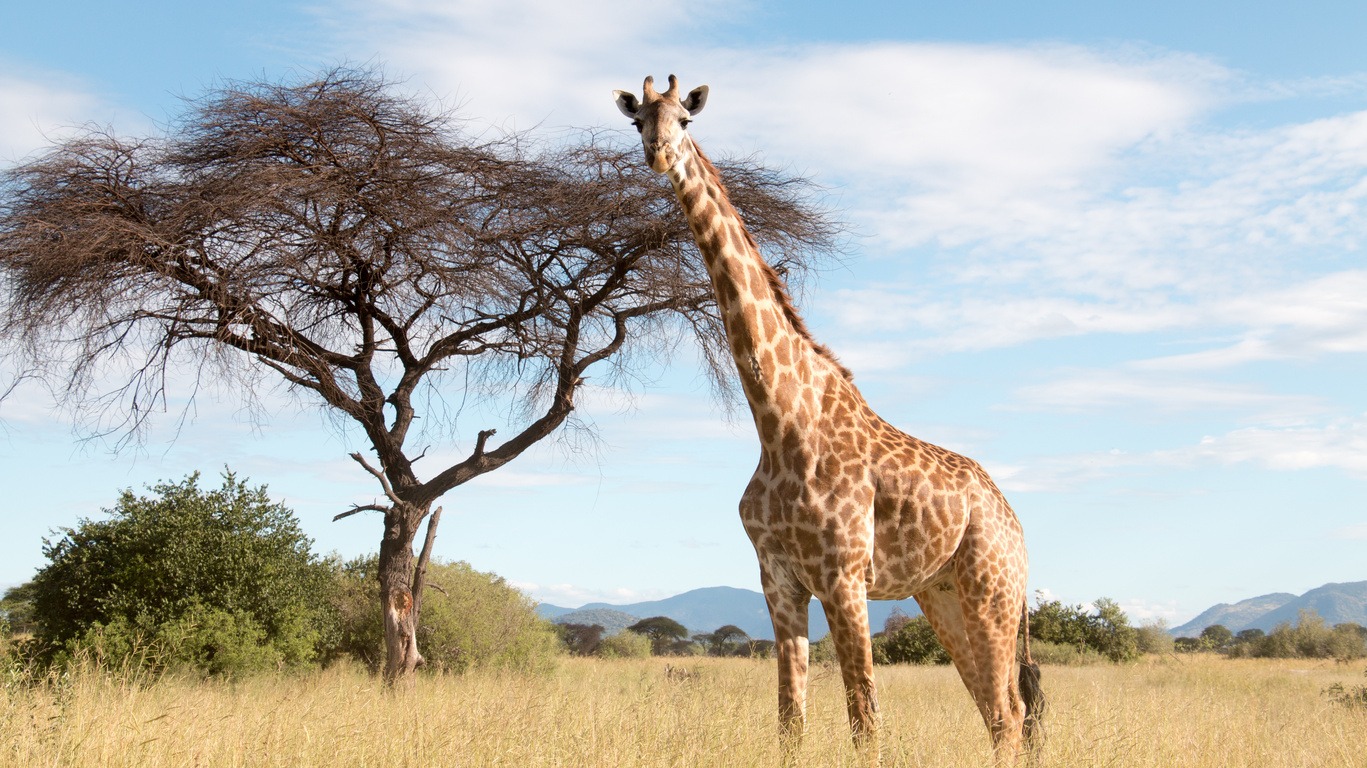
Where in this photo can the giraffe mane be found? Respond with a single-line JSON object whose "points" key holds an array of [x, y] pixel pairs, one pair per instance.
{"points": [[771, 275]]}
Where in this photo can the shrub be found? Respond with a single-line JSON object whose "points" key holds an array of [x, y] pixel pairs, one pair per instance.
{"points": [[1309, 638], [1353, 696], [1105, 630], [468, 619], [475, 619], [625, 645], [221, 581], [913, 641], [1216, 637], [1064, 654], [1153, 638], [823, 651]]}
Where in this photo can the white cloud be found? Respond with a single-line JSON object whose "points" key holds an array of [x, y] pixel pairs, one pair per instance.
{"points": [[574, 595], [987, 120], [1340, 444], [1141, 611], [1122, 389], [1352, 532], [37, 110], [528, 62]]}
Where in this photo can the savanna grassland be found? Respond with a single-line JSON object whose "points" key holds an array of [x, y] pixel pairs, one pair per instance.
{"points": [[1196, 711]]}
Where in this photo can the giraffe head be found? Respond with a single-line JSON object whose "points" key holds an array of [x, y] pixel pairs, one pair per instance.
{"points": [[662, 120]]}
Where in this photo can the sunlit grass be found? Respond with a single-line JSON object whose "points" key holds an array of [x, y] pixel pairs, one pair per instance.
{"points": [[1185, 711]]}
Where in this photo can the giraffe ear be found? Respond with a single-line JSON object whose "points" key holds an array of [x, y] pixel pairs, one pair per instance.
{"points": [[627, 103], [695, 100]]}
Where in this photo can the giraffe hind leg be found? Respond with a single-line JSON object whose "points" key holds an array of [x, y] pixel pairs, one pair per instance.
{"points": [[982, 644]]}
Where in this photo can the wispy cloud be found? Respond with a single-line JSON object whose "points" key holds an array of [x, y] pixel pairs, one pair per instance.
{"points": [[574, 595], [1352, 532], [1126, 390], [1340, 444], [37, 108]]}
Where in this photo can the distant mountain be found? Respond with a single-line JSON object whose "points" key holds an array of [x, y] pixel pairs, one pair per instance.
{"points": [[704, 610], [1335, 603], [1236, 617]]}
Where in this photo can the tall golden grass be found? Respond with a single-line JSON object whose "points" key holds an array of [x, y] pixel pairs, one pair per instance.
{"points": [[1190, 711]]}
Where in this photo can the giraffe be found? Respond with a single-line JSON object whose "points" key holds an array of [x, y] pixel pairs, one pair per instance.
{"points": [[843, 506]]}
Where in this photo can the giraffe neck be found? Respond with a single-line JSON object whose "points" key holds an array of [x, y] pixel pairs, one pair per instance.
{"points": [[774, 353]]}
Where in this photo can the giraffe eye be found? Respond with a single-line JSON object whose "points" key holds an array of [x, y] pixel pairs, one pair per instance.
{"points": [[683, 123], [639, 127]]}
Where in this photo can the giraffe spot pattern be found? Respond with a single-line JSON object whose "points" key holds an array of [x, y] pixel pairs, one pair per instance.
{"points": [[842, 505]]}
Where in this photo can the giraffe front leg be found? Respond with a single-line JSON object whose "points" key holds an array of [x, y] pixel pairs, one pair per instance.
{"points": [[847, 612], [788, 602]]}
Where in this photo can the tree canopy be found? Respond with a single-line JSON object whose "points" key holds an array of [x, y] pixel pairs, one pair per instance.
{"points": [[664, 633]]}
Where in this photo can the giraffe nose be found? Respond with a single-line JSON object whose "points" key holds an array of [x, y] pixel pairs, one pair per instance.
{"points": [[659, 156]]}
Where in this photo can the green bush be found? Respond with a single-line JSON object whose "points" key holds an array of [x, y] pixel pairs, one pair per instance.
{"points": [[468, 619], [218, 581], [1154, 638], [1309, 638], [1104, 630], [823, 651], [625, 645], [1064, 654], [474, 619], [912, 642]]}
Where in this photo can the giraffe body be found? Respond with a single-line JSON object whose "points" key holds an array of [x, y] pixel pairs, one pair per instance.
{"points": [[843, 506]]}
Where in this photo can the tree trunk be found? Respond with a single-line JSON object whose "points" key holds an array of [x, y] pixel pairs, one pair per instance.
{"points": [[396, 592]]}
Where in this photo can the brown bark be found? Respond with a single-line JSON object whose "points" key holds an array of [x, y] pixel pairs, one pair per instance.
{"points": [[397, 603]]}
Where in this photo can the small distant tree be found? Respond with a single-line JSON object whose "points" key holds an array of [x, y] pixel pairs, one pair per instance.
{"points": [[728, 640], [16, 610], [581, 639], [218, 580], [1153, 638], [1216, 637], [759, 649], [1186, 645], [663, 632], [1053, 621], [1112, 634], [1311, 638], [895, 621]]}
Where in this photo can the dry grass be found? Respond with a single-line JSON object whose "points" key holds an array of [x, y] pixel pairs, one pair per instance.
{"points": [[1188, 712]]}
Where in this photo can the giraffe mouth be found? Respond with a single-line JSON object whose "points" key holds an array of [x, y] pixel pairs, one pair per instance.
{"points": [[660, 158]]}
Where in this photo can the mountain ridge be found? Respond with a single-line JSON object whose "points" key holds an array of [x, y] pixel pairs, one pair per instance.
{"points": [[707, 608], [1336, 603]]}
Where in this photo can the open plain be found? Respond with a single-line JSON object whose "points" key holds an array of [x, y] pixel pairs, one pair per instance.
{"points": [[1192, 711]]}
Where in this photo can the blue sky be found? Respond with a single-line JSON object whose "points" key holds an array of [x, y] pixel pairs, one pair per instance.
{"points": [[1116, 254]]}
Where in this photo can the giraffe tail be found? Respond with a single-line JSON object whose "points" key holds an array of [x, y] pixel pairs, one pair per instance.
{"points": [[1030, 689]]}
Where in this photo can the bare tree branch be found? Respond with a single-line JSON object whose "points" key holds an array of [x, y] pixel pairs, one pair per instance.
{"points": [[358, 509]]}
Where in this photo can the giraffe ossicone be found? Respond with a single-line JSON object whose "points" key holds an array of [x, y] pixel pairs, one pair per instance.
{"points": [[843, 506]]}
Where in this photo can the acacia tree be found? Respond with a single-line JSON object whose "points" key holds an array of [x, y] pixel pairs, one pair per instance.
{"points": [[355, 245]]}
